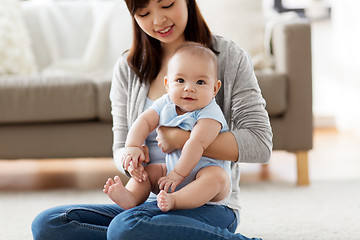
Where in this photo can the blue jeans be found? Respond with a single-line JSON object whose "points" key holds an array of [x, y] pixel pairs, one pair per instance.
{"points": [[145, 221]]}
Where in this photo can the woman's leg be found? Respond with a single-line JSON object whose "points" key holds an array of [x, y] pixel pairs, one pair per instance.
{"points": [[147, 221], [74, 222]]}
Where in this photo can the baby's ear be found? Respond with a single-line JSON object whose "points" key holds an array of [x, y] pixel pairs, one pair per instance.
{"points": [[217, 87], [166, 83]]}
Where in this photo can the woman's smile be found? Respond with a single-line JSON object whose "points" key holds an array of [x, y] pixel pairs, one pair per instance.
{"points": [[166, 31]]}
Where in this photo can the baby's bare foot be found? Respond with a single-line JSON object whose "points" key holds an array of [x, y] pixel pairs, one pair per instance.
{"points": [[165, 201], [118, 193]]}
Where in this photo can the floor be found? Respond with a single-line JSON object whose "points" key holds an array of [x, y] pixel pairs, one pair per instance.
{"points": [[336, 156]]}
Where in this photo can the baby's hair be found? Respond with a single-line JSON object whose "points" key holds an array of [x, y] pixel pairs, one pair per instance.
{"points": [[197, 49]]}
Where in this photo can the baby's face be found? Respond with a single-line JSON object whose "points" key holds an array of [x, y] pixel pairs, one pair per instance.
{"points": [[191, 81]]}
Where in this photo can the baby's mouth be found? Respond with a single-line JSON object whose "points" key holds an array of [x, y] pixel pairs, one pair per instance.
{"points": [[188, 99]]}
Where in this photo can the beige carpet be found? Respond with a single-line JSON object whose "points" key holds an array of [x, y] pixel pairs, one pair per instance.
{"points": [[325, 210]]}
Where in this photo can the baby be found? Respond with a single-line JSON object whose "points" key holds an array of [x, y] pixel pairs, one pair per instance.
{"points": [[191, 84]]}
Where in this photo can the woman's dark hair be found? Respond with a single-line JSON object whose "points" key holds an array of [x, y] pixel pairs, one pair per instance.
{"points": [[145, 53]]}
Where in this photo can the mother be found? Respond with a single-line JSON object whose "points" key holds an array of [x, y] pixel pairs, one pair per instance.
{"points": [[159, 27]]}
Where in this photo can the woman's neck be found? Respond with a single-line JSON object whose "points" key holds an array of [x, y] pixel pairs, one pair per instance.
{"points": [[168, 48]]}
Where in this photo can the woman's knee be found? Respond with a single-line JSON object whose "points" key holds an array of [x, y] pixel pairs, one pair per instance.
{"points": [[42, 225], [134, 223], [121, 228]]}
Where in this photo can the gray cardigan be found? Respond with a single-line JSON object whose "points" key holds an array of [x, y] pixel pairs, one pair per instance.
{"points": [[239, 98]]}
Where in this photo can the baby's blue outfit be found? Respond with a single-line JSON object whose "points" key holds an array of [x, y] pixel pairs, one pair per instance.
{"points": [[168, 117]]}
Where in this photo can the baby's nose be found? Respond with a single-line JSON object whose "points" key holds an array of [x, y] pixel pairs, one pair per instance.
{"points": [[189, 88]]}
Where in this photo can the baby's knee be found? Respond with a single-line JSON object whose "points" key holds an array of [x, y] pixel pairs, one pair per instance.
{"points": [[216, 174], [222, 176]]}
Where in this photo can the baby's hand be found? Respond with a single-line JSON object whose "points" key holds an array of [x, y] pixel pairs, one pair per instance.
{"points": [[172, 180]]}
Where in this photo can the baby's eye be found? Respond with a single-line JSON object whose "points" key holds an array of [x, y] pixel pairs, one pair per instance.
{"points": [[180, 80], [200, 82]]}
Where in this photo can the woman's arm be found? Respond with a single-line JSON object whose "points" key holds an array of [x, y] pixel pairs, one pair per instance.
{"points": [[121, 93], [119, 99], [171, 138]]}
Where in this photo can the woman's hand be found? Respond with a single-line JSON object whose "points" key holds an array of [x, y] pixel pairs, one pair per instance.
{"points": [[132, 161], [171, 138], [138, 172]]}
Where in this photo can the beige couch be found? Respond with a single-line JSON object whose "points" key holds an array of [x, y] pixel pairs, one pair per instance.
{"points": [[293, 125], [69, 116]]}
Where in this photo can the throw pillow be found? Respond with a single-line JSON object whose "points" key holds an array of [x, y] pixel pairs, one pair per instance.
{"points": [[16, 56], [241, 21], [80, 37]]}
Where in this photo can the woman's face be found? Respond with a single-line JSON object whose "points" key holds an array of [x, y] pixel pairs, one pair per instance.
{"points": [[164, 20]]}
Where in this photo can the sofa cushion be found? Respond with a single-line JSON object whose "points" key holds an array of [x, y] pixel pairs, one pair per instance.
{"points": [[241, 21], [273, 88], [103, 104], [39, 99]]}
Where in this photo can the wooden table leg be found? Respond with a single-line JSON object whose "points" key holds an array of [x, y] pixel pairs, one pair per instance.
{"points": [[302, 168]]}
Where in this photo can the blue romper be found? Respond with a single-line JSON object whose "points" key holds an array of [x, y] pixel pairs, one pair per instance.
{"points": [[168, 117]]}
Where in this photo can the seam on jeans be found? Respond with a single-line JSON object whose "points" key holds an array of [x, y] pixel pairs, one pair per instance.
{"points": [[89, 226], [86, 225], [235, 222], [140, 216], [232, 224], [89, 210]]}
